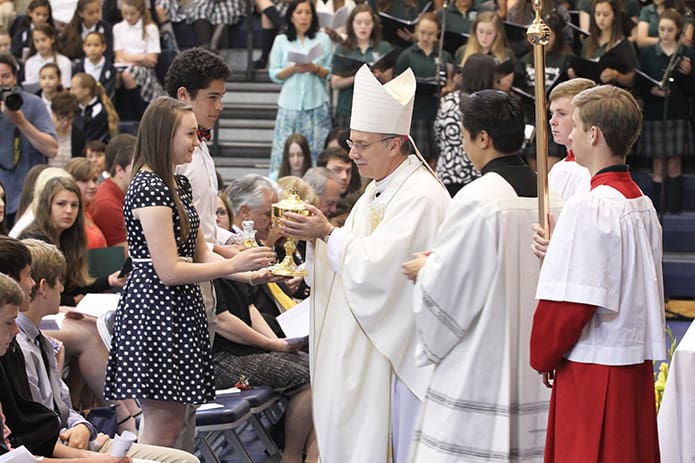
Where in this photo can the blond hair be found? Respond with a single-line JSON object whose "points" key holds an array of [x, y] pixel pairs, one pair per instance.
{"points": [[10, 292], [570, 88], [613, 110], [499, 46], [47, 262], [303, 190]]}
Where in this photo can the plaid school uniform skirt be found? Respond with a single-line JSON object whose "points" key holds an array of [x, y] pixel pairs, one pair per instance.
{"points": [[150, 87], [676, 138]]}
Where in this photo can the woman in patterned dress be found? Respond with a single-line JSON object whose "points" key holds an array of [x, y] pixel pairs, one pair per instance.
{"points": [[454, 168], [160, 351]]}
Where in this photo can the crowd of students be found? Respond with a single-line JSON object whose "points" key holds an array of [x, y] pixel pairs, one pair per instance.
{"points": [[101, 64], [608, 43]]}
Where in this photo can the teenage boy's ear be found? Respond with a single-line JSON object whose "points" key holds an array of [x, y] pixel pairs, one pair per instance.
{"points": [[182, 94], [596, 135], [41, 286], [483, 139]]}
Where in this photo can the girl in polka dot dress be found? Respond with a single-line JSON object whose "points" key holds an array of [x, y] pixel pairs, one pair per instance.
{"points": [[160, 350]]}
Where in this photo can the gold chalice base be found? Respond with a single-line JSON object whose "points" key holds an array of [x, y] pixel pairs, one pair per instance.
{"points": [[287, 269]]}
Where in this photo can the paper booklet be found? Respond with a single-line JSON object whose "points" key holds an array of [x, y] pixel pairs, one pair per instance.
{"points": [[334, 20], [620, 57], [391, 24], [454, 40], [96, 304], [300, 57], [295, 322], [18, 455], [344, 66]]}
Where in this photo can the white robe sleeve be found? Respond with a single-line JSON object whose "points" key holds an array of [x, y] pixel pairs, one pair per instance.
{"points": [[584, 259], [453, 285]]}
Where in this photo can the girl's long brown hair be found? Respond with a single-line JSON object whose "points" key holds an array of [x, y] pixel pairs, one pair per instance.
{"points": [[73, 241], [153, 147], [595, 33]]}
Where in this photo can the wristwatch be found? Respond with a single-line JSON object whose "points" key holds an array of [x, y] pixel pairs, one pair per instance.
{"points": [[328, 234]]}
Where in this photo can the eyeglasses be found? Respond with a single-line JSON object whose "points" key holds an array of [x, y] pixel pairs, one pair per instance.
{"points": [[359, 146]]}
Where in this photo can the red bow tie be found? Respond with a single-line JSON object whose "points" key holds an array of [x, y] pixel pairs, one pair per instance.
{"points": [[204, 134]]}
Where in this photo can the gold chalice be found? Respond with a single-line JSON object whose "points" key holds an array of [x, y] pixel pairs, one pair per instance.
{"points": [[293, 203]]}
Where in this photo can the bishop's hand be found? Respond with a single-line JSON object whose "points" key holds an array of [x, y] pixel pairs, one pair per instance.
{"points": [[305, 227]]}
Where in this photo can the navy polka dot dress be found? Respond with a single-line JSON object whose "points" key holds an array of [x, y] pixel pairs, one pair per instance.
{"points": [[160, 348]]}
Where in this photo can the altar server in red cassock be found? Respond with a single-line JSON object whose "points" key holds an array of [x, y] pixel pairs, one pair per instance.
{"points": [[600, 318]]}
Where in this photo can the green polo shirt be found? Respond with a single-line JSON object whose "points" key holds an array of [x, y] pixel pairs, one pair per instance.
{"points": [[423, 66], [399, 9], [649, 15], [457, 20], [371, 55], [653, 61]]}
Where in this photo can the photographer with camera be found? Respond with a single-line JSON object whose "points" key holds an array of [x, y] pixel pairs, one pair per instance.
{"points": [[27, 134]]}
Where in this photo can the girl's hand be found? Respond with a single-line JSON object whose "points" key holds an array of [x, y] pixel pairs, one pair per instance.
{"points": [[252, 259], [608, 75], [306, 67], [571, 74], [685, 66], [406, 35], [658, 92], [115, 281], [293, 284]]}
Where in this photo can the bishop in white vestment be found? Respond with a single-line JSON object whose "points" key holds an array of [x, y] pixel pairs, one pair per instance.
{"points": [[366, 387]]}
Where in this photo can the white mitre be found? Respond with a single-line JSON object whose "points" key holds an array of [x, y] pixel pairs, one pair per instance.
{"points": [[384, 108]]}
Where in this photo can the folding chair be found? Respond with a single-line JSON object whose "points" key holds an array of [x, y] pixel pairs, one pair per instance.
{"points": [[261, 399], [217, 425]]}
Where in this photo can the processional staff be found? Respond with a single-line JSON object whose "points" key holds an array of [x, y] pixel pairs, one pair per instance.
{"points": [[538, 34]]}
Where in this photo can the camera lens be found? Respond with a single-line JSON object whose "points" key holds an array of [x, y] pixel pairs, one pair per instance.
{"points": [[12, 99]]}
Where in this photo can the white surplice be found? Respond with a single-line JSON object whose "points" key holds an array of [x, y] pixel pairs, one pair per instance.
{"points": [[568, 178], [363, 333], [474, 308]]}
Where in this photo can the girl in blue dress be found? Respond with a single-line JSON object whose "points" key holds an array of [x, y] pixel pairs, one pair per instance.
{"points": [[160, 351]]}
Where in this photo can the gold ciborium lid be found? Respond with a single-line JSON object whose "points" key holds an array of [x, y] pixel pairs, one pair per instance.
{"points": [[293, 203]]}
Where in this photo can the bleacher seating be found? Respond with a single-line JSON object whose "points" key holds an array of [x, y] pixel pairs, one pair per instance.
{"points": [[219, 424], [679, 245]]}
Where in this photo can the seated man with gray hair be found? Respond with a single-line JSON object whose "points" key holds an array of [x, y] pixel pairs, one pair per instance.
{"points": [[252, 197], [326, 186]]}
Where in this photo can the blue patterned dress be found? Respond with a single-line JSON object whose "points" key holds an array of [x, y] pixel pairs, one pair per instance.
{"points": [[160, 348]]}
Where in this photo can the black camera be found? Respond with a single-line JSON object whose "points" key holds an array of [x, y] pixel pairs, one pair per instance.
{"points": [[12, 99]]}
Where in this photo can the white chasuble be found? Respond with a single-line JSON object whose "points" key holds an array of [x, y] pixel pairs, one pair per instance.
{"points": [[363, 331], [474, 309]]}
